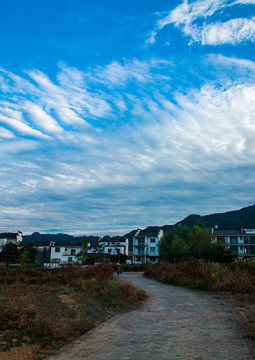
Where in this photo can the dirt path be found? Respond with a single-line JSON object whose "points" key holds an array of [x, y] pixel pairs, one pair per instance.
{"points": [[175, 323]]}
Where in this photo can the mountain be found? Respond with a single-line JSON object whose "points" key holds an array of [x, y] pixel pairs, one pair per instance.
{"points": [[244, 217], [37, 237]]}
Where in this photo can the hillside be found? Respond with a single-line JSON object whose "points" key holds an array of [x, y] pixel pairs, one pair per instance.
{"points": [[244, 217]]}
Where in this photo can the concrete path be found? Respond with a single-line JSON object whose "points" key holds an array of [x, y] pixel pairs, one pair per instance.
{"points": [[175, 323]]}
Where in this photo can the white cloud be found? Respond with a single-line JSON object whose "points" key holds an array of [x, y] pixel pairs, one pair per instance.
{"points": [[22, 127], [186, 15], [41, 118], [231, 32], [228, 61], [150, 150], [6, 134]]}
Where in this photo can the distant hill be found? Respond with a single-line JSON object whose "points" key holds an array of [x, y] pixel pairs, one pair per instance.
{"points": [[37, 237], [244, 217]]}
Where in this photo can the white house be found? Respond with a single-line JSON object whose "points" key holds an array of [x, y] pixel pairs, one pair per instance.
{"points": [[9, 237], [146, 244], [240, 240], [64, 253], [114, 246]]}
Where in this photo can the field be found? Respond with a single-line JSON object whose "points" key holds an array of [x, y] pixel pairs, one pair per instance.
{"points": [[41, 309]]}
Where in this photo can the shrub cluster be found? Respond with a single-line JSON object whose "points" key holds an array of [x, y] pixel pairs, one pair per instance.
{"points": [[211, 276], [134, 267]]}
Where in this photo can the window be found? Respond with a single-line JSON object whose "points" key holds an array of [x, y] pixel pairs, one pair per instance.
{"points": [[57, 249], [140, 242], [109, 251], [70, 259], [153, 240], [252, 240], [73, 251], [241, 248], [233, 240], [152, 249]]}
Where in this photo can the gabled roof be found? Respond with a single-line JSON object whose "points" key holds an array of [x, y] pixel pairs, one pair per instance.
{"points": [[149, 233], [8, 235]]}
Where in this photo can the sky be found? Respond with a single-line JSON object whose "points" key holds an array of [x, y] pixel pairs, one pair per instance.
{"points": [[117, 115]]}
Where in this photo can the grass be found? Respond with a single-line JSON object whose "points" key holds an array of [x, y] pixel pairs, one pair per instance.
{"points": [[49, 307]]}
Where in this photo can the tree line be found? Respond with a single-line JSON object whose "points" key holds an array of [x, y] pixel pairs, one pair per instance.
{"points": [[181, 243]]}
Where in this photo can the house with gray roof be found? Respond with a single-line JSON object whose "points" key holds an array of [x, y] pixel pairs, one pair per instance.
{"points": [[146, 245], [241, 241], [10, 237]]}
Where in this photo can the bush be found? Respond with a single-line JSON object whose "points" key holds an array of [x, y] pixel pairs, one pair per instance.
{"points": [[200, 275], [134, 267]]}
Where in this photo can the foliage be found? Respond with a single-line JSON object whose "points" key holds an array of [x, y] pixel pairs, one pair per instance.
{"points": [[179, 248], [134, 267], [10, 253], [198, 274], [169, 248], [28, 253], [199, 240], [220, 254], [81, 256]]}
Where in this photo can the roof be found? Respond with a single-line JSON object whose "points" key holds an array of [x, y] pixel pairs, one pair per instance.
{"points": [[148, 233], [233, 232], [8, 235], [113, 240]]}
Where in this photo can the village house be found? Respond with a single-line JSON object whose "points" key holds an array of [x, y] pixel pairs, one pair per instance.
{"points": [[114, 246], [58, 252], [241, 241], [146, 245], [9, 237], [64, 253]]}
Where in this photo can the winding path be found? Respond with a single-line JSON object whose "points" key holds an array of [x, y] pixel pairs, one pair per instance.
{"points": [[175, 323]]}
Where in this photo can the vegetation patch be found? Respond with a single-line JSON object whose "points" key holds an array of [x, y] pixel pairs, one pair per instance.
{"points": [[134, 267], [199, 274], [41, 309]]}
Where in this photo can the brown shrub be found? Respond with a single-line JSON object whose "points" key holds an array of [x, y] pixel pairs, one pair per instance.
{"points": [[208, 276]]}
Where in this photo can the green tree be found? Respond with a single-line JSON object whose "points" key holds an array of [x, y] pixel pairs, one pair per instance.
{"points": [[81, 256], [199, 240], [10, 253], [28, 253], [166, 251], [222, 255], [179, 248]]}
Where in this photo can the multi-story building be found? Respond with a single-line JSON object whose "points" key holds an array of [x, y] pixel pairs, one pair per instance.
{"points": [[145, 245], [241, 240]]}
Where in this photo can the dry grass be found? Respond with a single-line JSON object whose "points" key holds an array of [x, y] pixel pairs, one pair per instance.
{"points": [[207, 276], [41, 309]]}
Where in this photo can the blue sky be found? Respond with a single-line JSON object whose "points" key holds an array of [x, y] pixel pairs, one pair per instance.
{"points": [[116, 115]]}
